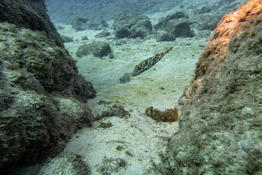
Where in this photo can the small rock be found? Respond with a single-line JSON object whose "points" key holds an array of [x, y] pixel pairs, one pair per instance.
{"points": [[125, 78]]}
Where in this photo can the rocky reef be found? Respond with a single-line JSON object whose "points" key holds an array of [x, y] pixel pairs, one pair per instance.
{"points": [[221, 115], [42, 95]]}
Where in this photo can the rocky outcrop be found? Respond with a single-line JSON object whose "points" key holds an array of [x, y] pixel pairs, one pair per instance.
{"points": [[42, 95], [173, 26], [29, 14], [221, 115], [128, 25]]}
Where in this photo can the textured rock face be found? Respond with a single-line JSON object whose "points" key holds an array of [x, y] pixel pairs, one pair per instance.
{"points": [[29, 14], [221, 115], [41, 92], [128, 25]]}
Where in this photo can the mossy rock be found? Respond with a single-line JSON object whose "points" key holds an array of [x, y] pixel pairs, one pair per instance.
{"points": [[97, 48]]}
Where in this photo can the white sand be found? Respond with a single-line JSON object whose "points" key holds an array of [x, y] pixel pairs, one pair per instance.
{"points": [[140, 136]]}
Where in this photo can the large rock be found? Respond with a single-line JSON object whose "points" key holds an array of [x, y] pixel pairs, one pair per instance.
{"points": [[162, 23], [42, 95], [29, 14], [221, 115], [128, 25], [97, 48], [173, 26]]}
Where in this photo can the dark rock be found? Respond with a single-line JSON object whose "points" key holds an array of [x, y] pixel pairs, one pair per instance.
{"points": [[79, 23], [122, 33], [128, 25], [102, 34], [125, 78], [101, 49], [84, 38], [175, 25], [162, 24], [182, 29], [84, 50], [97, 48]]}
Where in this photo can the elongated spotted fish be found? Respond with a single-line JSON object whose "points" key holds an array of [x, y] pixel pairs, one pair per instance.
{"points": [[148, 63]]}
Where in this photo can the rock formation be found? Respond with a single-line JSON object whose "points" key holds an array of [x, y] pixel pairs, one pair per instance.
{"points": [[221, 112], [42, 95], [129, 25]]}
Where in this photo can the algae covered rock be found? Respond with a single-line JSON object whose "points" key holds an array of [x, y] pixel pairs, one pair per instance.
{"points": [[42, 95], [29, 14], [128, 25], [162, 23], [173, 26], [220, 120], [97, 48], [101, 49]]}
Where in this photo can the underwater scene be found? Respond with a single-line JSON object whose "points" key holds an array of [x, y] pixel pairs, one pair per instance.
{"points": [[131, 87]]}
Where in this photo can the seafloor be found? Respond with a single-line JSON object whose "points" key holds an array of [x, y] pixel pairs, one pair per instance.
{"points": [[136, 138]]}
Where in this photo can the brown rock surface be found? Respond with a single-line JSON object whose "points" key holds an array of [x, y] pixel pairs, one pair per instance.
{"points": [[221, 113]]}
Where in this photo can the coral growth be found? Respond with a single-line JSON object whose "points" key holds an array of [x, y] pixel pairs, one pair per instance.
{"points": [[169, 115]]}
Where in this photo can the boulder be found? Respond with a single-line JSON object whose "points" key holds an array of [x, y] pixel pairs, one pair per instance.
{"points": [[42, 95], [97, 48], [162, 23], [221, 114], [101, 49], [129, 25], [181, 29], [173, 26]]}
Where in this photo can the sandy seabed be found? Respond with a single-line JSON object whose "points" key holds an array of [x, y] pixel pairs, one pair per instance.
{"points": [[137, 139]]}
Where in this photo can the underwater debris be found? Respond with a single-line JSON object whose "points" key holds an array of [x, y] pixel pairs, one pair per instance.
{"points": [[169, 115], [148, 63]]}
